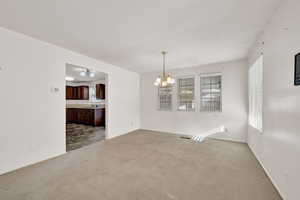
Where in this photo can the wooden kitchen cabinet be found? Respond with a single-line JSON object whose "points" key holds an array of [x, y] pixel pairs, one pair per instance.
{"points": [[83, 92], [77, 92], [71, 115], [88, 116], [100, 91], [69, 92], [99, 115], [85, 116]]}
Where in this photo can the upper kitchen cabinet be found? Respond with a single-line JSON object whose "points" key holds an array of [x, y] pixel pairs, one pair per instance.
{"points": [[100, 91], [77, 92], [69, 92], [83, 92]]}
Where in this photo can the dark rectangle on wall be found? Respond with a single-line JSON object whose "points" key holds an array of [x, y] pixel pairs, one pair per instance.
{"points": [[297, 70]]}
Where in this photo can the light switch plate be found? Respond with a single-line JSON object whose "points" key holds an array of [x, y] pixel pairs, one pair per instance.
{"points": [[54, 89]]}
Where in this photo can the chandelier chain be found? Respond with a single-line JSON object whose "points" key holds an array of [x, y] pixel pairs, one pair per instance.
{"points": [[165, 80]]}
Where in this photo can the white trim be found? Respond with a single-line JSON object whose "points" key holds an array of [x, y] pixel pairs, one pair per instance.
{"points": [[255, 94], [210, 74]]}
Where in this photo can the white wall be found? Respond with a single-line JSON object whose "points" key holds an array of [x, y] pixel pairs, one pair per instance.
{"points": [[278, 148], [32, 117], [234, 108]]}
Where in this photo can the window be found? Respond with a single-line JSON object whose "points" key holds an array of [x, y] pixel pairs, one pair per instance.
{"points": [[210, 92], [165, 98], [92, 92], [186, 94], [256, 94]]}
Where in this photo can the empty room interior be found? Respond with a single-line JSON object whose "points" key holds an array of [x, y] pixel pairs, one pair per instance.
{"points": [[140, 99]]}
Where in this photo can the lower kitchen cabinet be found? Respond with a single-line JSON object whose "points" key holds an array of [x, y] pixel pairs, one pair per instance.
{"points": [[92, 116]]}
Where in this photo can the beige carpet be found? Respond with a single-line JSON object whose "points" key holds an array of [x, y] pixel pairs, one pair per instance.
{"points": [[144, 165]]}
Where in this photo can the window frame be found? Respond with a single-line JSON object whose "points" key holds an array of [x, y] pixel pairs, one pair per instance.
{"points": [[210, 74], [171, 99], [177, 93], [260, 125]]}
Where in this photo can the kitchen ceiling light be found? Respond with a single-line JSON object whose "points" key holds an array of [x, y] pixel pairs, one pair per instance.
{"points": [[87, 72], [83, 73], [92, 74], [164, 80]]}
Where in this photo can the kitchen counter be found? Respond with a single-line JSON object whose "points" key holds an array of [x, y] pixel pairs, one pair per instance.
{"points": [[86, 106]]}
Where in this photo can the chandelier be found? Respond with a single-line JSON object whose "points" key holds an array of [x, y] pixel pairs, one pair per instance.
{"points": [[164, 80]]}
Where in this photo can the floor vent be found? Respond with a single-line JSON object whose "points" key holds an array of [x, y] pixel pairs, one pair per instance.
{"points": [[185, 137], [195, 138]]}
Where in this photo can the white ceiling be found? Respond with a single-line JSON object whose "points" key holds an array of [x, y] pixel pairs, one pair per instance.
{"points": [[74, 72], [131, 33]]}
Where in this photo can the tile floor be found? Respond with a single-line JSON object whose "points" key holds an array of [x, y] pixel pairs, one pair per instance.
{"points": [[79, 135]]}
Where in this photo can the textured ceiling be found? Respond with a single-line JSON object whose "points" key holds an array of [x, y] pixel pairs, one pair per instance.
{"points": [[131, 33]]}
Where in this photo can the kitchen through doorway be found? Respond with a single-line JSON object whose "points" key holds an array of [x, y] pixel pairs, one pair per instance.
{"points": [[86, 100]]}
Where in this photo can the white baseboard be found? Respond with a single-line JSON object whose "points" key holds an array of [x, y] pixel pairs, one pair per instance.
{"points": [[31, 163]]}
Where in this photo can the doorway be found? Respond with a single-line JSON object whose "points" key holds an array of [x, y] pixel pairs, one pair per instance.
{"points": [[86, 97]]}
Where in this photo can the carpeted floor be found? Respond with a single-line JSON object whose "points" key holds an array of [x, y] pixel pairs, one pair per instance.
{"points": [[79, 135], [144, 165]]}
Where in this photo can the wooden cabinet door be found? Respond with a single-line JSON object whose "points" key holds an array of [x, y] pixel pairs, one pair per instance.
{"points": [[84, 92], [94, 117], [81, 114], [85, 116], [71, 115], [99, 117], [77, 92], [69, 92], [100, 91], [68, 115]]}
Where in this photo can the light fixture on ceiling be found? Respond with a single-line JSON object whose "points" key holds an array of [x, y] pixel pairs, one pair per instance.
{"points": [[87, 72], [164, 80], [69, 78]]}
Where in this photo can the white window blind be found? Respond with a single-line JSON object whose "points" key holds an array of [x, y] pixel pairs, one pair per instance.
{"points": [[186, 94], [256, 94], [211, 92], [165, 98]]}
